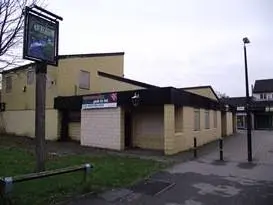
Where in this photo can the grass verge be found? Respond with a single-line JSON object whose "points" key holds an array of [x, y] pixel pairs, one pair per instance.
{"points": [[109, 172]]}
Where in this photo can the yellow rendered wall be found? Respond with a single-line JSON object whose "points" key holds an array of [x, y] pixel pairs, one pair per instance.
{"points": [[110, 85], [74, 131], [229, 123], [22, 122], [206, 92], [148, 128], [16, 99], [69, 73], [184, 139], [63, 81]]}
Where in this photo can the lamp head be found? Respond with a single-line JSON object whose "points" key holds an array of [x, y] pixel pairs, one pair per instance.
{"points": [[135, 99], [246, 40]]}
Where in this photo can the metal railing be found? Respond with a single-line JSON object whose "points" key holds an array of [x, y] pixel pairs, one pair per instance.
{"points": [[6, 183]]}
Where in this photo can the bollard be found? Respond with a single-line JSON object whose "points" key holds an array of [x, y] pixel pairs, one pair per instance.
{"points": [[221, 148], [86, 171], [5, 190], [194, 147]]}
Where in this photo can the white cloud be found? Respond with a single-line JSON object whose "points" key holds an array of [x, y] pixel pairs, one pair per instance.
{"points": [[179, 43]]}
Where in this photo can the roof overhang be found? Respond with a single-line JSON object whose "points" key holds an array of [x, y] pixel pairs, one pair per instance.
{"points": [[147, 97]]}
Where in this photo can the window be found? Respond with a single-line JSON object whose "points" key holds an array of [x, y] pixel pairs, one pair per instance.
{"points": [[178, 119], [30, 77], [196, 119], [215, 119], [263, 96], [8, 84], [207, 124], [84, 81]]}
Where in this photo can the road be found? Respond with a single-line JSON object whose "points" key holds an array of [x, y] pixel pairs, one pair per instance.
{"points": [[206, 181]]}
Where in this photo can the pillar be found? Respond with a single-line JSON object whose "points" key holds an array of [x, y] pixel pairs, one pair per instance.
{"points": [[234, 120], [169, 130]]}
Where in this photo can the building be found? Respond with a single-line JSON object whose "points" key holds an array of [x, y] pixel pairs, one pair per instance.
{"points": [[166, 119], [89, 100], [261, 106], [75, 75]]}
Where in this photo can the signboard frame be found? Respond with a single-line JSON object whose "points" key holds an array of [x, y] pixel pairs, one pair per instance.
{"points": [[45, 22], [100, 101]]}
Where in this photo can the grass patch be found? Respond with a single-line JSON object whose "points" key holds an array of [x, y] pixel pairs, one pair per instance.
{"points": [[109, 171]]}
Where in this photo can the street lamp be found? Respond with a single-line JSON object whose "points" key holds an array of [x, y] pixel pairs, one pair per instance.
{"points": [[248, 117]]}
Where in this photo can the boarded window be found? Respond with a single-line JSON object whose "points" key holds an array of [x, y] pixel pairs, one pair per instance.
{"points": [[84, 81], [30, 77], [207, 121], [178, 119], [8, 84], [196, 119], [215, 119]]}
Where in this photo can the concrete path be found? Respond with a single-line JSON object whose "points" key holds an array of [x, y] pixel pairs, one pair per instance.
{"points": [[206, 181]]}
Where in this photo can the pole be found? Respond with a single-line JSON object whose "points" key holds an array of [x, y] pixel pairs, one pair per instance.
{"points": [[41, 70], [194, 147], [249, 143], [221, 149]]}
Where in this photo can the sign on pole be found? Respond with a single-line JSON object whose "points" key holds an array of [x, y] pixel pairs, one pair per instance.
{"points": [[40, 45], [41, 35]]}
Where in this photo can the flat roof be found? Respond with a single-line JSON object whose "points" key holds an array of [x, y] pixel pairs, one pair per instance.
{"points": [[148, 97]]}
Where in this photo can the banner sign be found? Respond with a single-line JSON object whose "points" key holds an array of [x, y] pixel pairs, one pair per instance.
{"points": [[240, 108], [99, 101], [40, 39]]}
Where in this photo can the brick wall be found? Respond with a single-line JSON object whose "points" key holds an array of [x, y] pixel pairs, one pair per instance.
{"points": [[169, 129], [74, 130], [183, 140], [148, 128], [102, 128]]}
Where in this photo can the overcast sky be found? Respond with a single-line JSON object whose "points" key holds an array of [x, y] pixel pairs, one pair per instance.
{"points": [[176, 43]]}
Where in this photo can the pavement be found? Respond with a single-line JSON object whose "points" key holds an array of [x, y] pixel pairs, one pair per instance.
{"points": [[205, 180]]}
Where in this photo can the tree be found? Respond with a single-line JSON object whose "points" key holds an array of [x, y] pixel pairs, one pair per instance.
{"points": [[221, 95], [11, 30]]}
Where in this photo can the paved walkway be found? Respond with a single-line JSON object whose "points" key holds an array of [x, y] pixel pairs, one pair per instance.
{"points": [[206, 181]]}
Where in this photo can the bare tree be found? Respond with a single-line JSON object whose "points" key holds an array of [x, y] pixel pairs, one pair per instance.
{"points": [[221, 95], [11, 30]]}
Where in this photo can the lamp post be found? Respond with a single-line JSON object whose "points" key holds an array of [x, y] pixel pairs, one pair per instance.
{"points": [[248, 117]]}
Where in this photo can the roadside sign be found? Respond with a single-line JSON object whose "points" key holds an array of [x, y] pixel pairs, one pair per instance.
{"points": [[40, 39]]}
